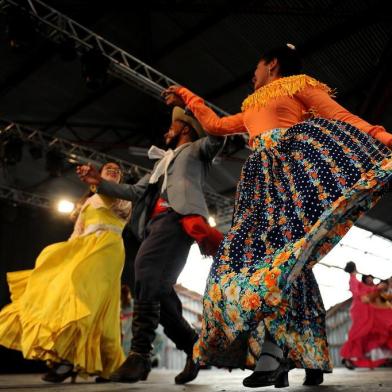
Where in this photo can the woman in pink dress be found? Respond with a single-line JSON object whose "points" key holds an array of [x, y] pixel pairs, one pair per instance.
{"points": [[369, 341]]}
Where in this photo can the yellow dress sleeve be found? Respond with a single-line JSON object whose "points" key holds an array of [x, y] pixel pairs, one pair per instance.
{"points": [[212, 124], [321, 103]]}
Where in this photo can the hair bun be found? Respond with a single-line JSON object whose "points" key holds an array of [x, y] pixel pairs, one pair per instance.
{"points": [[291, 46]]}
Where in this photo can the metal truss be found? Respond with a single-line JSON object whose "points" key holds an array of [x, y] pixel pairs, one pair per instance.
{"points": [[73, 152], [77, 154], [19, 196], [122, 65]]}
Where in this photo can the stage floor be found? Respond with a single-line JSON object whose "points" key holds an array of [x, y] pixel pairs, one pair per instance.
{"points": [[379, 380]]}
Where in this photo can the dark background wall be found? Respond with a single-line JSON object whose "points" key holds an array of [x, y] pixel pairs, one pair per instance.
{"points": [[24, 232]]}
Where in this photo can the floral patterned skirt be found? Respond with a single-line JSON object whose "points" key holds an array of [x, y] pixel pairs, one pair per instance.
{"points": [[300, 191]]}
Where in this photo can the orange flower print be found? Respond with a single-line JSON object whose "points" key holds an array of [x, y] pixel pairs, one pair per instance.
{"points": [[249, 241], [249, 255], [218, 315], [280, 331], [232, 293], [273, 296], [233, 313], [250, 301], [226, 278], [196, 350], [256, 276], [298, 203], [325, 248], [271, 277], [222, 268], [342, 181], [268, 143], [215, 293], [254, 346], [281, 258], [342, 229], [386, 164], [300, 347], [299, 244]]}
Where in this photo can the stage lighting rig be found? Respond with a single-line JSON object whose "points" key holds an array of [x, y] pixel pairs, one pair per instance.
{"points": [[11, 150], [94, 69], [55, 162], [20, 31]]}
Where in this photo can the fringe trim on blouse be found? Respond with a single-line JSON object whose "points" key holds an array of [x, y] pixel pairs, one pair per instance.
{"points": [[286, 86]]}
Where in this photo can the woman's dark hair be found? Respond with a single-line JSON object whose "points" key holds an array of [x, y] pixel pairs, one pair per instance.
{"points": [[364, 278], [350, 267], [289, 60]]}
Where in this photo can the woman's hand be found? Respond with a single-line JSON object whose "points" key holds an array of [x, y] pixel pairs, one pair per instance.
{"points": [[89, 174], [171, 98]]}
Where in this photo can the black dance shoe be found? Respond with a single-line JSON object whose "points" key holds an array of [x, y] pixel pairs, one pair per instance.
{"points": [[313, 377], [348, 364], [55, 376], [278, 377], [189, 373], [101, 380], [135, 368]]}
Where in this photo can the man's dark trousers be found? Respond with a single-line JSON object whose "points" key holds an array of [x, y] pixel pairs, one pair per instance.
{"points": [[159, 261]]}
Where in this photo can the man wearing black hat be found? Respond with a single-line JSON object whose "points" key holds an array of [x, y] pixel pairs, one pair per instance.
{"points": [[162, 199]]}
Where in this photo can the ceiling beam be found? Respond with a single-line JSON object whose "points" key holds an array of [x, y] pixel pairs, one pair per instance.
{"points": [[380, 91], [318, 42], [19, 196], [29, 66], [75, 108]]}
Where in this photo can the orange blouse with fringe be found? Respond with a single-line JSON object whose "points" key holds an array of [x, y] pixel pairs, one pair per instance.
{"points": [[279, 104]]}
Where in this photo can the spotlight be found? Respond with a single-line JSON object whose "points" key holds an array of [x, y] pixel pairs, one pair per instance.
{"points": [[211, 221], [65, 206], [94, 69], [54, 162], [11, 150]]}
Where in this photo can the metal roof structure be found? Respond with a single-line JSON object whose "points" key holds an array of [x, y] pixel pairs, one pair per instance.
{"points": [[211, 47]]}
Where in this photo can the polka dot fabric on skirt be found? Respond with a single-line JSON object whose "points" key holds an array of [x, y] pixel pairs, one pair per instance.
{"points": [[299, 192]]}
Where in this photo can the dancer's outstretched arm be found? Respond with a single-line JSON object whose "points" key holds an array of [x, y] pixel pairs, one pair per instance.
{"points": [[91, 176], [210, 121]]}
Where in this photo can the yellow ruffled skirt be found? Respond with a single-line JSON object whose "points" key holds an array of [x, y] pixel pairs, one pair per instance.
{"points": [[68, 306]]}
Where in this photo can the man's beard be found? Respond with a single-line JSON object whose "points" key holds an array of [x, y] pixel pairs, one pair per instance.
{"points": [[172, 144]]}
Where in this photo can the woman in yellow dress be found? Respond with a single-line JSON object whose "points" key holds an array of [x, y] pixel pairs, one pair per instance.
{"points": [[66, 310]]}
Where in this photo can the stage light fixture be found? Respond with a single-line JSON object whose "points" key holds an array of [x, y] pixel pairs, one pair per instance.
{"points": [[211, 221], [55, 162], [94, 69], [20, 31], [11, 150]]}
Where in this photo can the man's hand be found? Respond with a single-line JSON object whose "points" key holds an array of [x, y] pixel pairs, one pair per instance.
{"points": [[89, 174], [171, 98]]}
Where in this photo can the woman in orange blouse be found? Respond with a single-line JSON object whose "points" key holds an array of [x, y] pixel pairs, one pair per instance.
{"points": [[315, 168]]}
